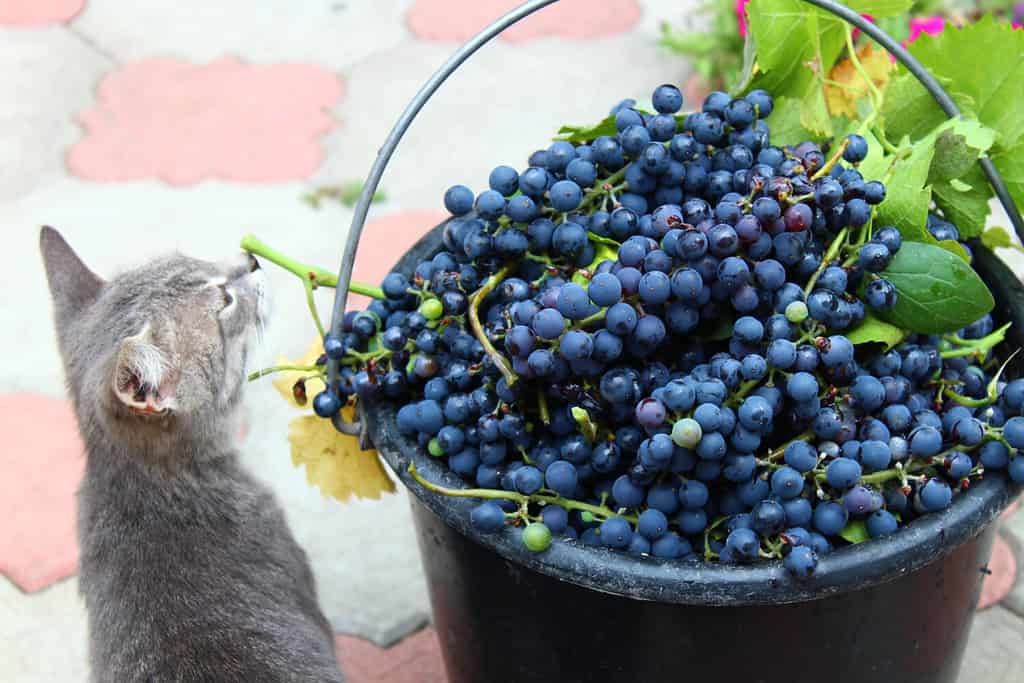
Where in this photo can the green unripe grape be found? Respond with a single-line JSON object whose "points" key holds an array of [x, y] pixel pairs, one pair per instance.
{"points": [[587, 516], [431, 309], [537, 537], [796, 312], [686, 433], [434, 448]]}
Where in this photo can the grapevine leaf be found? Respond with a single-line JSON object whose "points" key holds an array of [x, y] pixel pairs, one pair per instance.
{"points": [[996, 237], [814, 113], [984, 60], [285, 381], [936, 291], [909, 193], [965, 201], [873, 329], [334, 462], [855, 531], [581, 134], [958, 148], [785, 123], [749, 68], [876, 163], [882, 8], [910, 111], [605, 241], [843, 100], [792, 39]]}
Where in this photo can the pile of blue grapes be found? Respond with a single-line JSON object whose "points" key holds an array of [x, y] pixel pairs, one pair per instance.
{"points": [[637, 342]]}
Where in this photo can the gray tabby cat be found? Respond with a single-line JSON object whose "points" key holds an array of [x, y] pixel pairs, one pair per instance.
{"points": [[188, 570]]}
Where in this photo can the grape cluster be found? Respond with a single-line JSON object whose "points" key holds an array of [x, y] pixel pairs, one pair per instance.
{"points": [[637, 342]]}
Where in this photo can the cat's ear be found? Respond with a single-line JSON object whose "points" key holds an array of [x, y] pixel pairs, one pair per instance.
{"points": [[73, 286], [143, 378]]}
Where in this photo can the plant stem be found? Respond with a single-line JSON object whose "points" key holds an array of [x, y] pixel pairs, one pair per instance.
{"points": [[833, 249], [836, 156], [283, 368], [495, 494], [318, 277], [601, 188], [308, 286], [478, 331]]}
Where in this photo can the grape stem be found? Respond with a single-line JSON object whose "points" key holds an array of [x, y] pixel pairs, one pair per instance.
{"points": [[836, 156], [520, 498], [478, 331], [599, 190], [316, 277], [283, 368], [833, 250], [970, 347]]}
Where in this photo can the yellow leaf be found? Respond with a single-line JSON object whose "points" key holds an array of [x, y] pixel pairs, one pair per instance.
{"points": [[285, 380], [842, 101], [334, 461]]}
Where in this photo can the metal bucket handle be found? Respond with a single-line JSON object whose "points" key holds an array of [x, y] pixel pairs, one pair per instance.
{"points": [[527, 8]]}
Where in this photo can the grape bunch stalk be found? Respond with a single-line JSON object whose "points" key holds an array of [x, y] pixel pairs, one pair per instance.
{"points": [[639, 341]]}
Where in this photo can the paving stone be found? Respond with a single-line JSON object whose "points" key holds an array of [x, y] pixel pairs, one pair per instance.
{"points": [[502, 104], [42, 462], [994, 649], [184, 123], [333, 33], [417, 659], [43, 635], [49, 74]]}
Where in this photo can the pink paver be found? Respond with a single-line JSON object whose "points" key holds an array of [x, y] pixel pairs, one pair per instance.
{"points": [[999, 583], [38, 12], [42, 460], [383, 240], [458, 20], [184, 123], [417, 659]]}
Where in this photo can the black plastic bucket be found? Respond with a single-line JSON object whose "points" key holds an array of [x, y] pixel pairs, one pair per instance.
{"points": [[888, 611]]}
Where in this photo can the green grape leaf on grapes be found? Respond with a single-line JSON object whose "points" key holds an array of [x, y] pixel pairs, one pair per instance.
{"points": [[996, 238], [876, 330], [909, 190], [785, 123], [855, 531], [958, 147], [936, 291], [965, 201], [982, 65], [581, 134]]}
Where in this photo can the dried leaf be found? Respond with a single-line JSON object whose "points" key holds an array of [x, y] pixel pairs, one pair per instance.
{"points": [[334, 461], [285, 381], [842, 101]]}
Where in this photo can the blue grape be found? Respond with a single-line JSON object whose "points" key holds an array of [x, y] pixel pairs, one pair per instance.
{"points": [[487, 517]]}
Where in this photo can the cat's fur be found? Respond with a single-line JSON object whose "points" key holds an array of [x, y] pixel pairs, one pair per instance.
{"points": [[188, 569]]}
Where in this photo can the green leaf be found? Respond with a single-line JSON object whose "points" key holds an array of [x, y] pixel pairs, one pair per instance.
{"points": [[855, 531], [790, 34], [965, 201], [747, 70], [785, 123], [814, 113], [936, 291], [873, 329], [958, 148], [985, 63], [882, 8], [908, 195], [581, 134], [996, 237]]}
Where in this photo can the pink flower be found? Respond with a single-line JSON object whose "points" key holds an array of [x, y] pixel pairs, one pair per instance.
{"points": [[741, 16], [933, 26]]}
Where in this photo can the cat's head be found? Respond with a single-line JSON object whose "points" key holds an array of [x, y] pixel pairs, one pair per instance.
{"points": [[156, 355]]}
